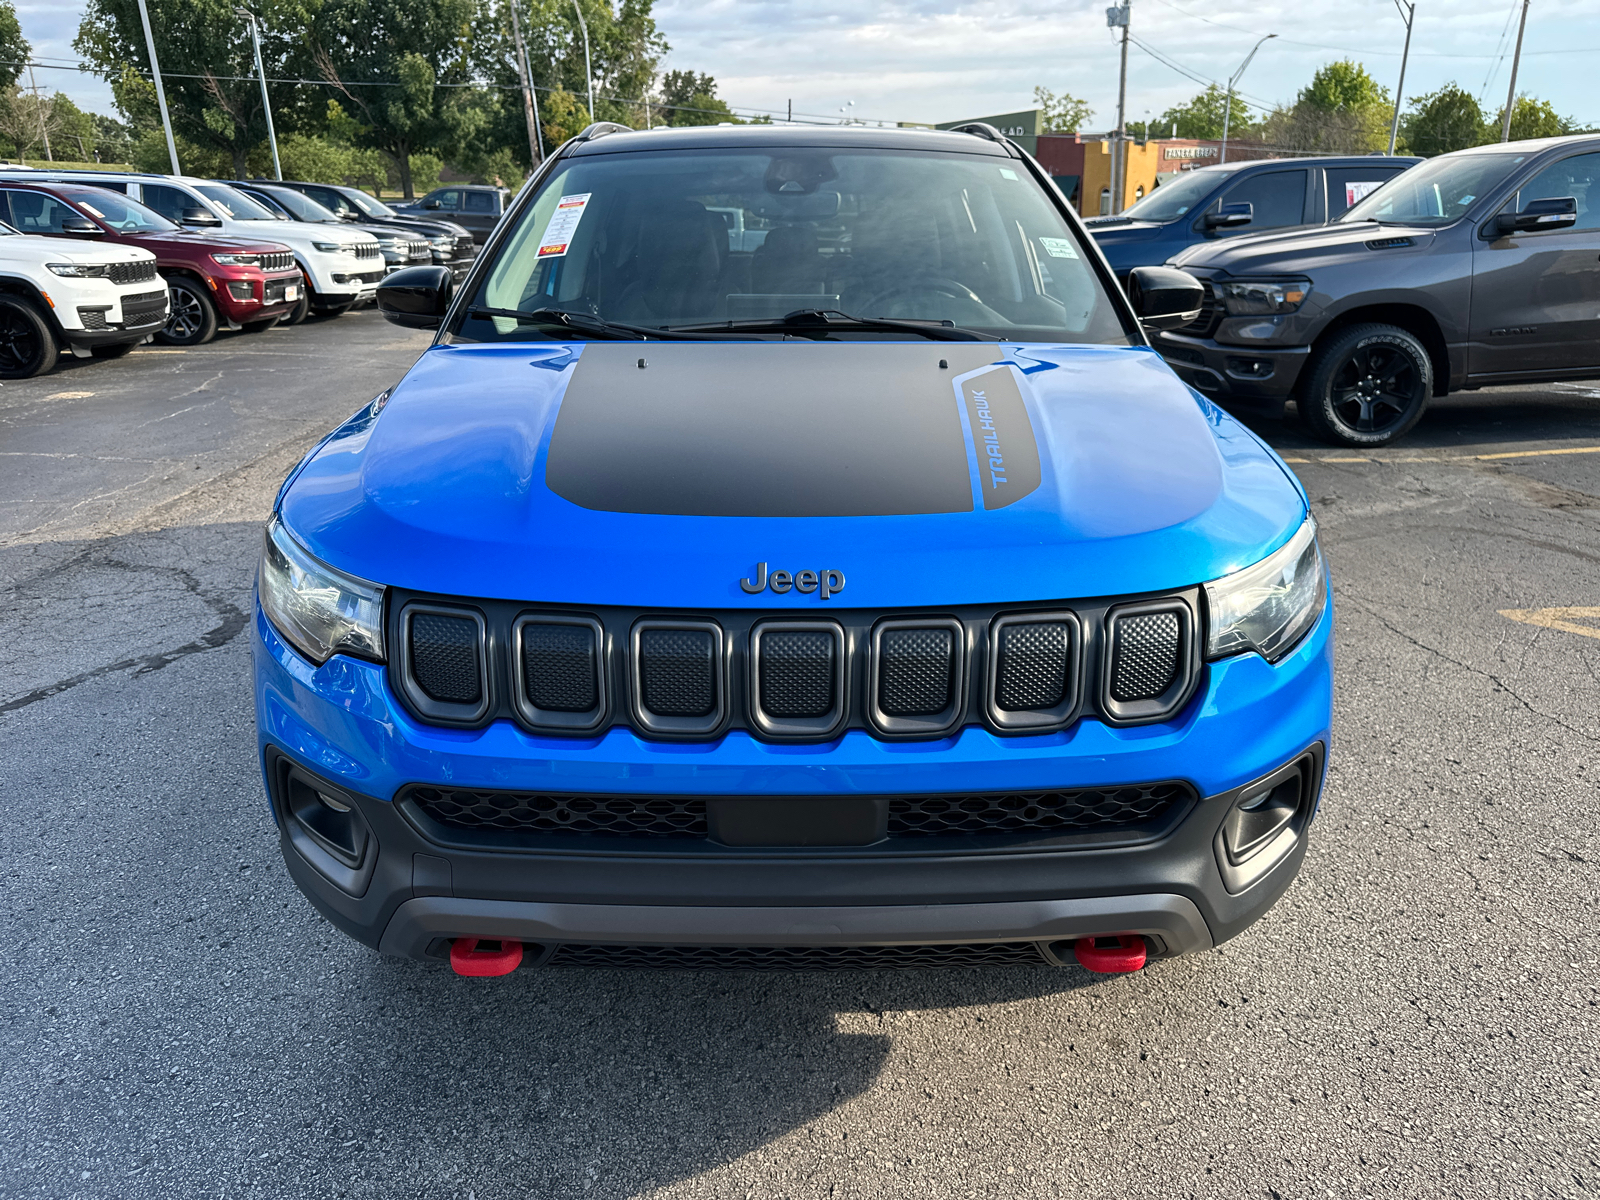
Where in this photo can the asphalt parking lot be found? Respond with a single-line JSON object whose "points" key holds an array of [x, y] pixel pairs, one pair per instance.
{"points": [[1420, 1015]]}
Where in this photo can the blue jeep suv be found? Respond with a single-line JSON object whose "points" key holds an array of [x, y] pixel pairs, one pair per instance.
{"points": [[876, 596]]}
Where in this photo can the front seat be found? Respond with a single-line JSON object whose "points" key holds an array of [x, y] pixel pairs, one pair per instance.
{"points": [[677, 261]]}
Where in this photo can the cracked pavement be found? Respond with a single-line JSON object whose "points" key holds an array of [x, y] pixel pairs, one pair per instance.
{"points": [[1419, 1016]]}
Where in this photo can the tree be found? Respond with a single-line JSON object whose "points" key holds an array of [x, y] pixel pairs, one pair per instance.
{"points": [[208, 67], [1531, 118], [14, 48], [1342, 111], [1343, 86], [1201, 117], [1442, 121], [690, 99], [113, 140], [1061, 114]]}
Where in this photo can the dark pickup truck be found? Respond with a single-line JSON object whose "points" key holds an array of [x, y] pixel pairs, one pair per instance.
{"points": [[1476, 268]]}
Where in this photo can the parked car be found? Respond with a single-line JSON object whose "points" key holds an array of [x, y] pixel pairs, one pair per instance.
{"points": [[1475, 268], [453, 246], [211, 281], [1233, 199], [626, 630], [476, 207], [401, 247], [94, 299], [340, 266]]}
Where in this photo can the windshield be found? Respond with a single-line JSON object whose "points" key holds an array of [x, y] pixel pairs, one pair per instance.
{"points": [[670, 238], [365, 204], [118, 212], [1435, 192], [301, 208], [235, 203], [1175, 198]]}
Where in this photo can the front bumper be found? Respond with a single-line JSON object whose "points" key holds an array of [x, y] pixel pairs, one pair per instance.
{"points": [[255, 296], [423, 886], [1257, 379]]}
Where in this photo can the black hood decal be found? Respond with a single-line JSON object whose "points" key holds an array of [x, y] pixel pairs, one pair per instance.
{"points": [[1008, 455], [780, 430]]}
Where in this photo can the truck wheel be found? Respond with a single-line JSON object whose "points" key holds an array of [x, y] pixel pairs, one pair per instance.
{"points": [[191, 317], [1366, 387], [301, 307], [27, 343]]}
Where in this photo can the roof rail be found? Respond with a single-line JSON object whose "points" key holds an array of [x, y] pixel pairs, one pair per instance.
{"points": [[600, 129], [979, 129]]}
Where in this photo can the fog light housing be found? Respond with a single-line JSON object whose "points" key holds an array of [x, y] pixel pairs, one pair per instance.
{"points": [[325, 826], [1265, 822], [1250, 368], [241, 289]]}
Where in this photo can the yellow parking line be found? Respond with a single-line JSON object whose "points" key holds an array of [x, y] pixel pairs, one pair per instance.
{"points": [[1297, 460], [1556, 618], [1538, 453], [1350, 459]]}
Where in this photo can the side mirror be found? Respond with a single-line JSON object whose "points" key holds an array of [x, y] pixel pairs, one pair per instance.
{"points": [[1231, 216], [81, 227], [1163, 297], [416, 297], [1555, 213], [432, 204], [199, 218]]}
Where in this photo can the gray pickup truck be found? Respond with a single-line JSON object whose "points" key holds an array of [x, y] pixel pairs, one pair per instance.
{"points": [[1475, 268]]}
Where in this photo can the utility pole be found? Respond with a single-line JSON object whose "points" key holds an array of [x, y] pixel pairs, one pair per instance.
{"points": [[161, 95], [266, 105], [1227, 104], [1511, 92], [38, 107], [588, 71], [523, 73], [1115, 18], [1409, 12]]}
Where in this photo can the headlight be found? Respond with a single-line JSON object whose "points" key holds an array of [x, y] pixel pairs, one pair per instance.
{"points": [[79, 271], [1252, 297], [236, 260], [1268, 607], [334, 247], [319, 611]]}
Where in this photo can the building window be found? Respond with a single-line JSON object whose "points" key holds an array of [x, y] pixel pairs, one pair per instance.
{"points": [[1105, 202], [1138, 192]]}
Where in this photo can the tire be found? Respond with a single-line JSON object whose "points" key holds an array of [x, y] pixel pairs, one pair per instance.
{"points": [[191, 318], [1367, 386], [301, 308], [27, 343], [115, 351]]}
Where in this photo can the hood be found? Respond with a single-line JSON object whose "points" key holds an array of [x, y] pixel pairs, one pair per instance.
{"points": [[1124, 229], [211, 243], [662, 473], [1302, 248], [85, 250], [345, 235]]}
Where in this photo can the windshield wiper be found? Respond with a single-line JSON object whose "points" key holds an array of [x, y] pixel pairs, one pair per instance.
{"points": [[831, 320], [582, 322]]}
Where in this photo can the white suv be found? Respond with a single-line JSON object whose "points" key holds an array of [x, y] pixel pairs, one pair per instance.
{"points": [[94, 298], [341, 266]]}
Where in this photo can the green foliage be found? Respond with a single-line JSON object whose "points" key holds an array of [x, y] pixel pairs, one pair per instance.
{"points": [[1531, 118], [690, 99], [113, 141], [14, 48], [1061, 114], [1342, 111], [562, 115], [1442, 121], [1201, 117], [310, 158], [1344, 86]]}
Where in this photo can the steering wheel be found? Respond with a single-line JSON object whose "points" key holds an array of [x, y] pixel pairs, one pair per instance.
{"points": [[941, 285]]}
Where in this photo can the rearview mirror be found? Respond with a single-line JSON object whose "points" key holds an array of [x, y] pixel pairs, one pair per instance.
{"points": [[1231, 216], [199, 218], [416, 297], [1164, 297], [80, 227], [1557, 212]]}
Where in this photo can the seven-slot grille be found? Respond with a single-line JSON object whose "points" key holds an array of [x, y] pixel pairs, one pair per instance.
{"points": [[133, 272], [276, 261], [368, 250], [793, 677]]}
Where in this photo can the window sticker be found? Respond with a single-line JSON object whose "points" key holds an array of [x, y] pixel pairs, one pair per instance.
{"points": [[563, 224], [1058, 247], [1359, 190], [1007, 173], [91, 209]]}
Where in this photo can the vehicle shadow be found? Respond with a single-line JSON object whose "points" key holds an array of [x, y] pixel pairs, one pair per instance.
{"points": [[612, 1082]]}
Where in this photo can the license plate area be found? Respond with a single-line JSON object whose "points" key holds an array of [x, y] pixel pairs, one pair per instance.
{"points": [[797, 820]]}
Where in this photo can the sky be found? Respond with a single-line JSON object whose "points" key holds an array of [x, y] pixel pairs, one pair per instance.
{"points": [[933, 60]]}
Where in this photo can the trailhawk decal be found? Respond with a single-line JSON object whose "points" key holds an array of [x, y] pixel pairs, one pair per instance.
{"points": [[1002, 436]]}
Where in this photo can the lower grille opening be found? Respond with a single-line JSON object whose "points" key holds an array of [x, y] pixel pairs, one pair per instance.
{"points": [[539, 812], [1067, 811], [798, 958]]}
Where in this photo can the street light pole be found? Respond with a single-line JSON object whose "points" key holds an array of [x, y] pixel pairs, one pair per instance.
{"points": [[161, 95], [588, 71], [266, 105], [1120, 16], [1511, 92], [38, 108], [1409, 12], [1227, 104]]}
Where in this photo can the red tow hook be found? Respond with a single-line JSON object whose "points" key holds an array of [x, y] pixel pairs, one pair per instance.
{"points": [[1114, 955], [467, 959]]}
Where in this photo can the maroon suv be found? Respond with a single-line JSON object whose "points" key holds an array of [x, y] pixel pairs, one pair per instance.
{"points": [[213, 280]]}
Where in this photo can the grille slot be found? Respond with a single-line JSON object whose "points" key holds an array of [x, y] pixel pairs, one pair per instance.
{"points": [[678, 676], [560, 667], [798, 958], [797, 674], [93, 318], [368, 250], [1073, 810], [916, 672], [1145, 660], [134, 272], [445, 657], [1034, 658], [548, 812]]}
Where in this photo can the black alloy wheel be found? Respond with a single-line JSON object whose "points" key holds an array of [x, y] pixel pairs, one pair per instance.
{"points": [[1367, 386], [27, 343], [191, 317]]}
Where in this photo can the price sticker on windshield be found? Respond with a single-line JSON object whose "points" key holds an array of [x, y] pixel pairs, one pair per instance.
{"points": [[563, 224], [1058, 247]]}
